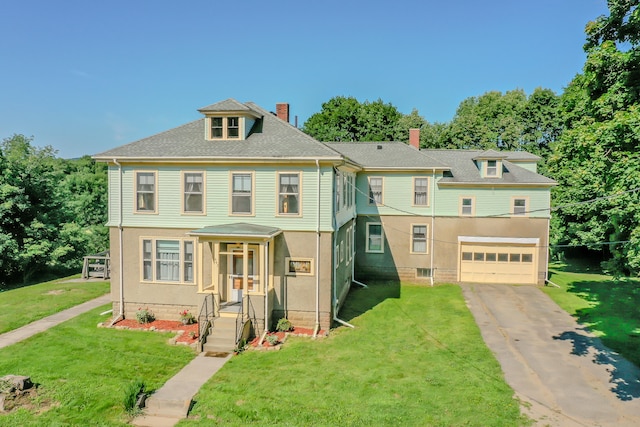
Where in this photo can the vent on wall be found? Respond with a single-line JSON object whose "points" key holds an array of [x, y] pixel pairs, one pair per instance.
{"points": [[379, 147]]}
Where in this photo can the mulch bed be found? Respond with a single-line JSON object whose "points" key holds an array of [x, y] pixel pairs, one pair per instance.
{"points": [[184, 336], [183, 331]]}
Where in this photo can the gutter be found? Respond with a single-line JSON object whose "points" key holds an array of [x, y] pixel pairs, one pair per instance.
{"points": [[120, 247]]}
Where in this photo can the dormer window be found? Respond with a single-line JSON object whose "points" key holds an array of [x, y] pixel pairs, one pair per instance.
{"points": [[225, 127], [492, 168]]}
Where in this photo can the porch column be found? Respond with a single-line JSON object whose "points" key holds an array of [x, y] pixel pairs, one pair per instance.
{"points": [[199, 273], [215, 267]]}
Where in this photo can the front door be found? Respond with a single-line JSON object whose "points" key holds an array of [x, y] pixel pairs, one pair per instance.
{"points": [[237, 274]]}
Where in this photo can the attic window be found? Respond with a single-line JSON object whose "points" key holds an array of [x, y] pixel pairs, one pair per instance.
{"points": [[225, 128], [492, 168]]}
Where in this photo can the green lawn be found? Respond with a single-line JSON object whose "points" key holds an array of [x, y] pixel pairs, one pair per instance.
{"points": [[608, 306], [416, 358], [82, 370], [21, 306]]}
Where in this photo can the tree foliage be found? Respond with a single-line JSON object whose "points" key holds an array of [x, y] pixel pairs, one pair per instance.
{"points": [[509, 121], [52, 211], [347, 119], [597, 157]]}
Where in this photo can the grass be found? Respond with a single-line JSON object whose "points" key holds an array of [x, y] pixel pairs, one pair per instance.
{"points": [[416, 357], [608, 306], [83, 371], [24, 305]]}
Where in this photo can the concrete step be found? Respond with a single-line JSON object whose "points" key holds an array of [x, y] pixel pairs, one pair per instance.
{"points": [[222, 337]]}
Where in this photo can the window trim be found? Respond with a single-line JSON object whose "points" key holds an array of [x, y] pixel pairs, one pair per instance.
{"points": [[155, 192], [253, 192], [487, 167], [473, 206], [183, 192], [225, 127], [367, 248], [525, 213], [181, 261], [288, 215], [412, 237], [413, 201], [287, 266], [371, 201]]}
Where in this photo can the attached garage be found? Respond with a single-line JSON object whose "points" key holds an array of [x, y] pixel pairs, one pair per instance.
{"points": [[498, 260]]}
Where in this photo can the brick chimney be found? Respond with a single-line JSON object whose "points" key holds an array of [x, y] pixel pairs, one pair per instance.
{"points": [[282, 111], [414, 138]]}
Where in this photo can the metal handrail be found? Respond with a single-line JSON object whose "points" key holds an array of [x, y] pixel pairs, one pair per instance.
{"points": [[206, 318]]}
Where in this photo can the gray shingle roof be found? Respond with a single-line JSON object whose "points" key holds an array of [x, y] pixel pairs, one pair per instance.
{"points": [[269, 138], [224, 106], [465, 170], [383, 155]]}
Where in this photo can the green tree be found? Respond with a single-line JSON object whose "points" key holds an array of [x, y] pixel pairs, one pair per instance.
{"points": [[346, 119], [30, 212], [510, 121], [52, 211], [597, 157]]}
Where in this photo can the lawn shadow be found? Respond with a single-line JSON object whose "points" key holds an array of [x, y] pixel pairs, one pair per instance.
{"points": [[624, 374], [360, 299], [613, 312]]}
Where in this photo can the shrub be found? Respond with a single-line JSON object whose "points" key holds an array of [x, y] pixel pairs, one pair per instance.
{"points": [[144, 315], [272, 339], [284, 325]]}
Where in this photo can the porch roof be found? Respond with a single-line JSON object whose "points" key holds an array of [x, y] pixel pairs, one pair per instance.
{"points": [[238, 230]]}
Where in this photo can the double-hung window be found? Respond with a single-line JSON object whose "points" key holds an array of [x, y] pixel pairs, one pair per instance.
{"points": [[167, 260], [146, 192], [492, 168], [519, 206], [193, 199], [419, 239], [466, 206], [375, 237], [233, 127], [375, 190], [420, 191], [289, 194], [242, 194], [225, 127]]}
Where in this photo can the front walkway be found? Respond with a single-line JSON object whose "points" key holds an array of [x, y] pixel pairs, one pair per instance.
{"points": [[24, 332], [564, 374]]}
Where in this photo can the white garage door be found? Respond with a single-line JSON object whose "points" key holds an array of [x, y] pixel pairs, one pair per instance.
{"points": [[498, 261]]}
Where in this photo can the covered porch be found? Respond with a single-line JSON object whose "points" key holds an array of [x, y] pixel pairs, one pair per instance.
{"points": [[242, 265]]}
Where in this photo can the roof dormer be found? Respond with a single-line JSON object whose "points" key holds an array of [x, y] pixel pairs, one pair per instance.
{"points": [[228, 120], [489, 163]]}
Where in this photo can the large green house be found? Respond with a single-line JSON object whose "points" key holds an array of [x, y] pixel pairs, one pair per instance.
{"points": [[242, 209]]}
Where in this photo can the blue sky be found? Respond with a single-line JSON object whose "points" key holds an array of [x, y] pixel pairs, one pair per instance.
{"points": [[85, 76]]}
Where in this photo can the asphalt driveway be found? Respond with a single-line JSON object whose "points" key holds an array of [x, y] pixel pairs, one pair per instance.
{"points": [[563, 374]]}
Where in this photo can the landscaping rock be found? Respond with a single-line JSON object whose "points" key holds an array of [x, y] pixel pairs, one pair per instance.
{"points": [[18, 382]]}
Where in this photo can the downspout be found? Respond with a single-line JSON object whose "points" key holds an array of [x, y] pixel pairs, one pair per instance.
{"points": [[433, 215], [316, 329], [546, 265], [120, 247]]}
